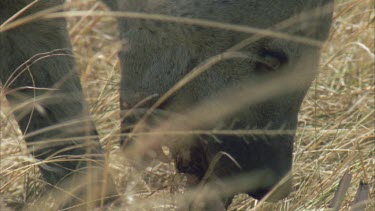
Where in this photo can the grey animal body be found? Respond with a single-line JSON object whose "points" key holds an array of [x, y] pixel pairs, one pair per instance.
{"points": [[157, 55]]}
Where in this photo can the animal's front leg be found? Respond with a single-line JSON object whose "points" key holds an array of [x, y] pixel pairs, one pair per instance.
{"points": [[38, 75]]}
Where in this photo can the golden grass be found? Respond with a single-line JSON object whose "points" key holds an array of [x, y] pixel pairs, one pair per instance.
{"points": [[335, 135]]}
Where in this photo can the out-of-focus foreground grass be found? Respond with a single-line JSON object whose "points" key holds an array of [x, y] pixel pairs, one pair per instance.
{"points": [[335, 133]]}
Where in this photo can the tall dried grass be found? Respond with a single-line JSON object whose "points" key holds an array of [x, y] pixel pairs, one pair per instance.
{"points": [[335, 134]]}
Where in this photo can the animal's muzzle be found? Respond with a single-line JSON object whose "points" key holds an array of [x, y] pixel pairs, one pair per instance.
{"points": [[224, 157]]}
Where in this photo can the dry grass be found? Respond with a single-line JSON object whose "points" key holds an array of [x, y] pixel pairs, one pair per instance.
{"points": [[336, 124]]}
